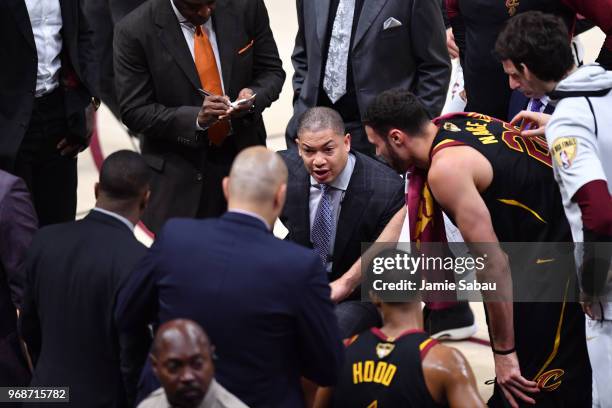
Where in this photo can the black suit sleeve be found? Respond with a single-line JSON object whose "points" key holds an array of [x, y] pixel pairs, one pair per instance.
{"points": [[431, 55], [135, 310], [397, 201], [299, 56], [268, 74], [320, 345], [29, 322], [87, 54], [135, 91], [121, 8], [18, 223]]}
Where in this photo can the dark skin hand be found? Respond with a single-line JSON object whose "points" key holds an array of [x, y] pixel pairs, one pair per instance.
{"points": [[217, 107], [214, 108], [69, 149]]}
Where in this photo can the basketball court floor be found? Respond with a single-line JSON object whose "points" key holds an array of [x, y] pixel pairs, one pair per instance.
{"points": [[112, 136]]}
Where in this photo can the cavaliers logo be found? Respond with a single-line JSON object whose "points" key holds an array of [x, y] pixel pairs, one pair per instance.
{"points": [[384, 349], [550, 380]]}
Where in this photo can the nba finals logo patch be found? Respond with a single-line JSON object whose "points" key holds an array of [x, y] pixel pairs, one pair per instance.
{"points": [[564, 150], [451, 127], [384, 349]]}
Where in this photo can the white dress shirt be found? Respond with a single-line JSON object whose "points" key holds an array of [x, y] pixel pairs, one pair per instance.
{"points": [[46, 20], [121, 218], [338, 190]]}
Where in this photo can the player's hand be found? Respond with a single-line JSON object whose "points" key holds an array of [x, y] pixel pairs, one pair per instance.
{"points": [[537, 123], [587, 302], [214, 108], [340, 290], [69, 149], [512, 383], [453, 50]]}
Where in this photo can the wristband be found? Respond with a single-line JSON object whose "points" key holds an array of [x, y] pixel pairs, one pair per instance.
{"points": [[504, 352]]}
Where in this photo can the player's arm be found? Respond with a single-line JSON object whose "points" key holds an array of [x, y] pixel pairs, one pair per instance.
{"points": [[342, 287], [596, 209], [323, 397], [456, 177], [449, 378]]}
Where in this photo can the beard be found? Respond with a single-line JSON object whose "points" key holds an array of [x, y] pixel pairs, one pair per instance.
{"points": [[394, 161]]}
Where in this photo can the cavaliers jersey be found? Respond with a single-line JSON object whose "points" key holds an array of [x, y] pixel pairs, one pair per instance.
{"points": [[523, 198], [383, 372], [525, 206]]}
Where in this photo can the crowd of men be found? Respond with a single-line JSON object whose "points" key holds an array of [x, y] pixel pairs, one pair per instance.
{"points": [[219, 312]]}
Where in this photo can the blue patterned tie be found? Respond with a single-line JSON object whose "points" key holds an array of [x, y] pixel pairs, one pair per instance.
{"points": [[322, 224], [535, 106]]}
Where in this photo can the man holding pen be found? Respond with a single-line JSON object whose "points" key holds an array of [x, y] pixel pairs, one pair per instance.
{"points": [[178, 64]]}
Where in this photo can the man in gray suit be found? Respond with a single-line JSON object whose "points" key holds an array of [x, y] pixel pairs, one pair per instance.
{"points": [[347, 52]]}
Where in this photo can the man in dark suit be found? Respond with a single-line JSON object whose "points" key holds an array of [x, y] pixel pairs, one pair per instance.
{"points": [[17, 227], [103, 15], [47, 82], [364, 195], [73, 273], [165, 51], [348, 51], [264, 302]]}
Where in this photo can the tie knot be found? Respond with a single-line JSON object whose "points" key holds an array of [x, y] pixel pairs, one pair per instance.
{"points": [[536, 105], [325, 188]]}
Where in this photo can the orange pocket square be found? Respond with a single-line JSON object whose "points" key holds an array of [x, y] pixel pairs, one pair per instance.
{"points": [[246, 48]]}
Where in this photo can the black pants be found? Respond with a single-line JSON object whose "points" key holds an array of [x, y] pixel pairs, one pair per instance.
{"points": [[217, 165], [51, 177]]}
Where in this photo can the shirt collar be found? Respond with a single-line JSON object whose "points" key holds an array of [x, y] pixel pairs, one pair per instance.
{"points": [[342, 181], [116, 216], [251, 214], [178, 15], [182, 20]]}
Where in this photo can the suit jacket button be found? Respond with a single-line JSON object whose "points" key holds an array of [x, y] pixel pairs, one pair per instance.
{"points": [[199, 177]]}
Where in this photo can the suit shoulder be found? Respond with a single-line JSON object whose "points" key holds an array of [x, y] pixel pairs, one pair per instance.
{"points": [[374, 169], [140, 17]]}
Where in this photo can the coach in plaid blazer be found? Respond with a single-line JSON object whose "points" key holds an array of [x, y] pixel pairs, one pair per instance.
{"points": [[373, 195]]}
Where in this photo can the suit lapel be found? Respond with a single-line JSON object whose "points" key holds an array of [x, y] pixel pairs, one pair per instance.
{"points": [[354, 204], [225, 21], [20, 12], [322, 13], [369, 12], [171, 36]]}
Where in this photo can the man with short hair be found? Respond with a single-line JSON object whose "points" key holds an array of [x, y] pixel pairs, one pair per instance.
{"points": [[265, 302], [580, 140], [182, 358], [349, 199], [399, 364], [497, 187], [73, 273], [178, 64]]}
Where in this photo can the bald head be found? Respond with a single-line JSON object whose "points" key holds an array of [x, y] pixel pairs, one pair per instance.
{"points": [[182, 360], [255, 177], [177, 333]]}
